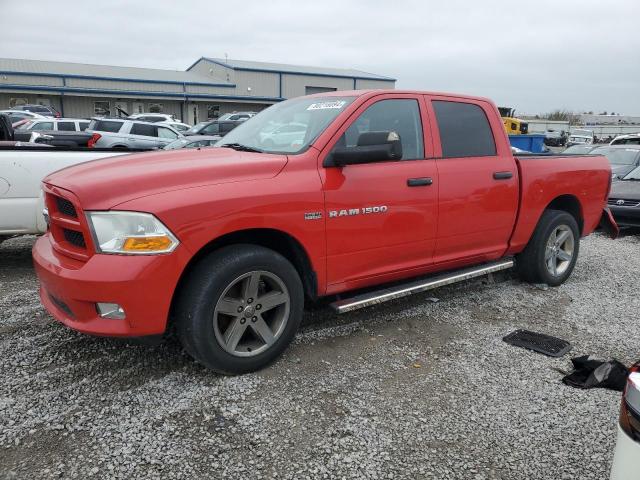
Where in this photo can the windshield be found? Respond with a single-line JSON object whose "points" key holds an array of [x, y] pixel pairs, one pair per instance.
{"points": [[618, 156], [633, 174], [287, 127], [179, 143]]}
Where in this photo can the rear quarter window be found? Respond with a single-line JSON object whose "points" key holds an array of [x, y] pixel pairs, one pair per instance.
{"points": [[464, 130], [105, 126]]}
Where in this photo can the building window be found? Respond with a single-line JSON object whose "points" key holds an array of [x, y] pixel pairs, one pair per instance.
{"points": [[14, 102], [213, 111], [311, 90], [101, 108], [156, 108]]}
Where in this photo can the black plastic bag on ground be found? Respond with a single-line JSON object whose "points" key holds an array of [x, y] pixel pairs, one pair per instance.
{"points": [[592, 373]]}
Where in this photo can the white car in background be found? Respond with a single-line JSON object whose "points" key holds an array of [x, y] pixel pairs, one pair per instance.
{"points": [[16, 116], [283, 135], [56, 124], [580, 137], [153, 117], [179, 126], [22, 170], [626, 460]]}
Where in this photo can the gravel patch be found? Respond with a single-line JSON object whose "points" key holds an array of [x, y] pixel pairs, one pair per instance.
{"points": [[412, 389]]}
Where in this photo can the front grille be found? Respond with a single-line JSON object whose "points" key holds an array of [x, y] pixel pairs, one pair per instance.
{"points": [[61, 305], [65, 207], [74, 238], [620, 202]]}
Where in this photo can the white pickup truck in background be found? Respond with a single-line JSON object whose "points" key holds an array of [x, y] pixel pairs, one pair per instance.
{"points": [[21, 173]]}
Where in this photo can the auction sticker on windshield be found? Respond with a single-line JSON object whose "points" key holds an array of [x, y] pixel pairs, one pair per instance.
{"points": [[338, 104]]}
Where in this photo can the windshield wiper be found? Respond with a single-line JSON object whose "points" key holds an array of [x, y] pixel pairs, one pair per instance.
{"points": [[241, 148]]}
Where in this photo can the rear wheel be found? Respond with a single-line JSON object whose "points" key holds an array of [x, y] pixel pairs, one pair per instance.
{"points": [[552, 251], [239, 309]]}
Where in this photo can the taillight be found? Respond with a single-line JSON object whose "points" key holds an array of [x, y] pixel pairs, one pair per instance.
{"points": [[630, 409], [92, 141]]}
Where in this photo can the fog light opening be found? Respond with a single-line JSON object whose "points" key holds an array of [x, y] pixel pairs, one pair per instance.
{"points": [[110, 310]]}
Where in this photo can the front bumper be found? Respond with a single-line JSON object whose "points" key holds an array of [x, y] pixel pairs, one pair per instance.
{"points": [[143, 285], [625, 459], [626, 216]]}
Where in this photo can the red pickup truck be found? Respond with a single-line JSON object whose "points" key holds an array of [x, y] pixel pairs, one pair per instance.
{"points": [[316, 196]]}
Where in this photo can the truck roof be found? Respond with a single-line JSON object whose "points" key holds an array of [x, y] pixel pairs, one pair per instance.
{"points": [[373, 92]]}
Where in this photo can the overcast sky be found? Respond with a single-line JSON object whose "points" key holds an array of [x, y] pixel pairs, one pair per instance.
{"points": [[535, 56]]}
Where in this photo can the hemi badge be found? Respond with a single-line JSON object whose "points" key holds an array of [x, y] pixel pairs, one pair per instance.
{"points": [[313, 215]]}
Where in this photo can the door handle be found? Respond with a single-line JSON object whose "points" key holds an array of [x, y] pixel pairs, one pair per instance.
{"points": [[502, 175], [419, 182]]}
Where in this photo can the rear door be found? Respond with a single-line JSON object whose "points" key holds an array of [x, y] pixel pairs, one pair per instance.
{"points": [[143, 135], [381, 217], [478, 180]]}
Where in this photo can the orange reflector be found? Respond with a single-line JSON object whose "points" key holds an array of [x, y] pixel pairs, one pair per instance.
{"points": [[147, 244]]}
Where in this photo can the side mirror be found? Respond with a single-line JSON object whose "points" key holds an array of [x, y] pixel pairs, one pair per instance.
{"points": [[371, 147]]}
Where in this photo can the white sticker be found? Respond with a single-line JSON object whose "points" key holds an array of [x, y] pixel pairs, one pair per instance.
{"points": [[338, 104]]}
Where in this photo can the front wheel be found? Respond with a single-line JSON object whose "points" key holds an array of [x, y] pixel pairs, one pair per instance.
{"points": [[552, 252], [239, 308]]}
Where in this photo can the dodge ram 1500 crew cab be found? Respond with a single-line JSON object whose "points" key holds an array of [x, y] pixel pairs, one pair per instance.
{"points": [[368, 188]]}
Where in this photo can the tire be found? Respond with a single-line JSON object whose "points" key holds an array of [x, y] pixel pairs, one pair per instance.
{"points": [[541, 257], [220, 317]]}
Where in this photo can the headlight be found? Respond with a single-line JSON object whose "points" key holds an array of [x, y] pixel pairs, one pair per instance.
{"points": [[130, 233]]}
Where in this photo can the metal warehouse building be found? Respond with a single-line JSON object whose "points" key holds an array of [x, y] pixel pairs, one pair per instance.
{"points": [[207, 89]]}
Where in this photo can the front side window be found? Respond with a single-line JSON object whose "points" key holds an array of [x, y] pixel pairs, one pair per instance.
{"points": [[464, 130], [42, 126], [211, 129], [400, 116], [313, 114]]}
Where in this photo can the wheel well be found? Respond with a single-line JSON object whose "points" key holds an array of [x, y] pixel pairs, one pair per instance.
{"points": [[276, 240], [571, 205]]}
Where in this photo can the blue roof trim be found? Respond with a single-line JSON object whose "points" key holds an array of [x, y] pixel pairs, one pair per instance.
{"points": [[115, 79], [186, 95], [293, 72]]}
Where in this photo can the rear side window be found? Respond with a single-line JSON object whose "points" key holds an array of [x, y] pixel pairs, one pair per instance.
{"points": [[105, 126], [144, 129], [464, 130], [227, 127], [67, 126]]}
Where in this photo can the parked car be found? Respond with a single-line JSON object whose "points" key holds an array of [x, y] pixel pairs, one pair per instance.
{"points": [[627, 452], [622, 158], [237, 116], [125, 134], [177, 126], [555, 138], [580, 137], [44, 110], [193, 141], [56, 124], [233, 239], [283, 135], [153, 117], [214, 127], [579, 149], [54, 138], [624, 199], [16, 116], [23, 167], [631, 139]]}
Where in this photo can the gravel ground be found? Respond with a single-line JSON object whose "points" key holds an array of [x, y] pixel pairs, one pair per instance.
{"points": [[412, 389]]}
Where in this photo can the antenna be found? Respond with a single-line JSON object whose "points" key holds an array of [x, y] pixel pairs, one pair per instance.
{"points": [[226, 58]]}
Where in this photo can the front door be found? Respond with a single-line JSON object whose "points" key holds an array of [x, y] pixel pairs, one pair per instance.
{"points": [[381, 217], [478, 181]]}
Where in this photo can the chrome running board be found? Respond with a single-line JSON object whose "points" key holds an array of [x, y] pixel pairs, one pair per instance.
{"points": [[417, 286]]}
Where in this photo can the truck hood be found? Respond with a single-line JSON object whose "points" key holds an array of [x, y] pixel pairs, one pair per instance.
{"points": [[625, 189], [102, 184]]}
